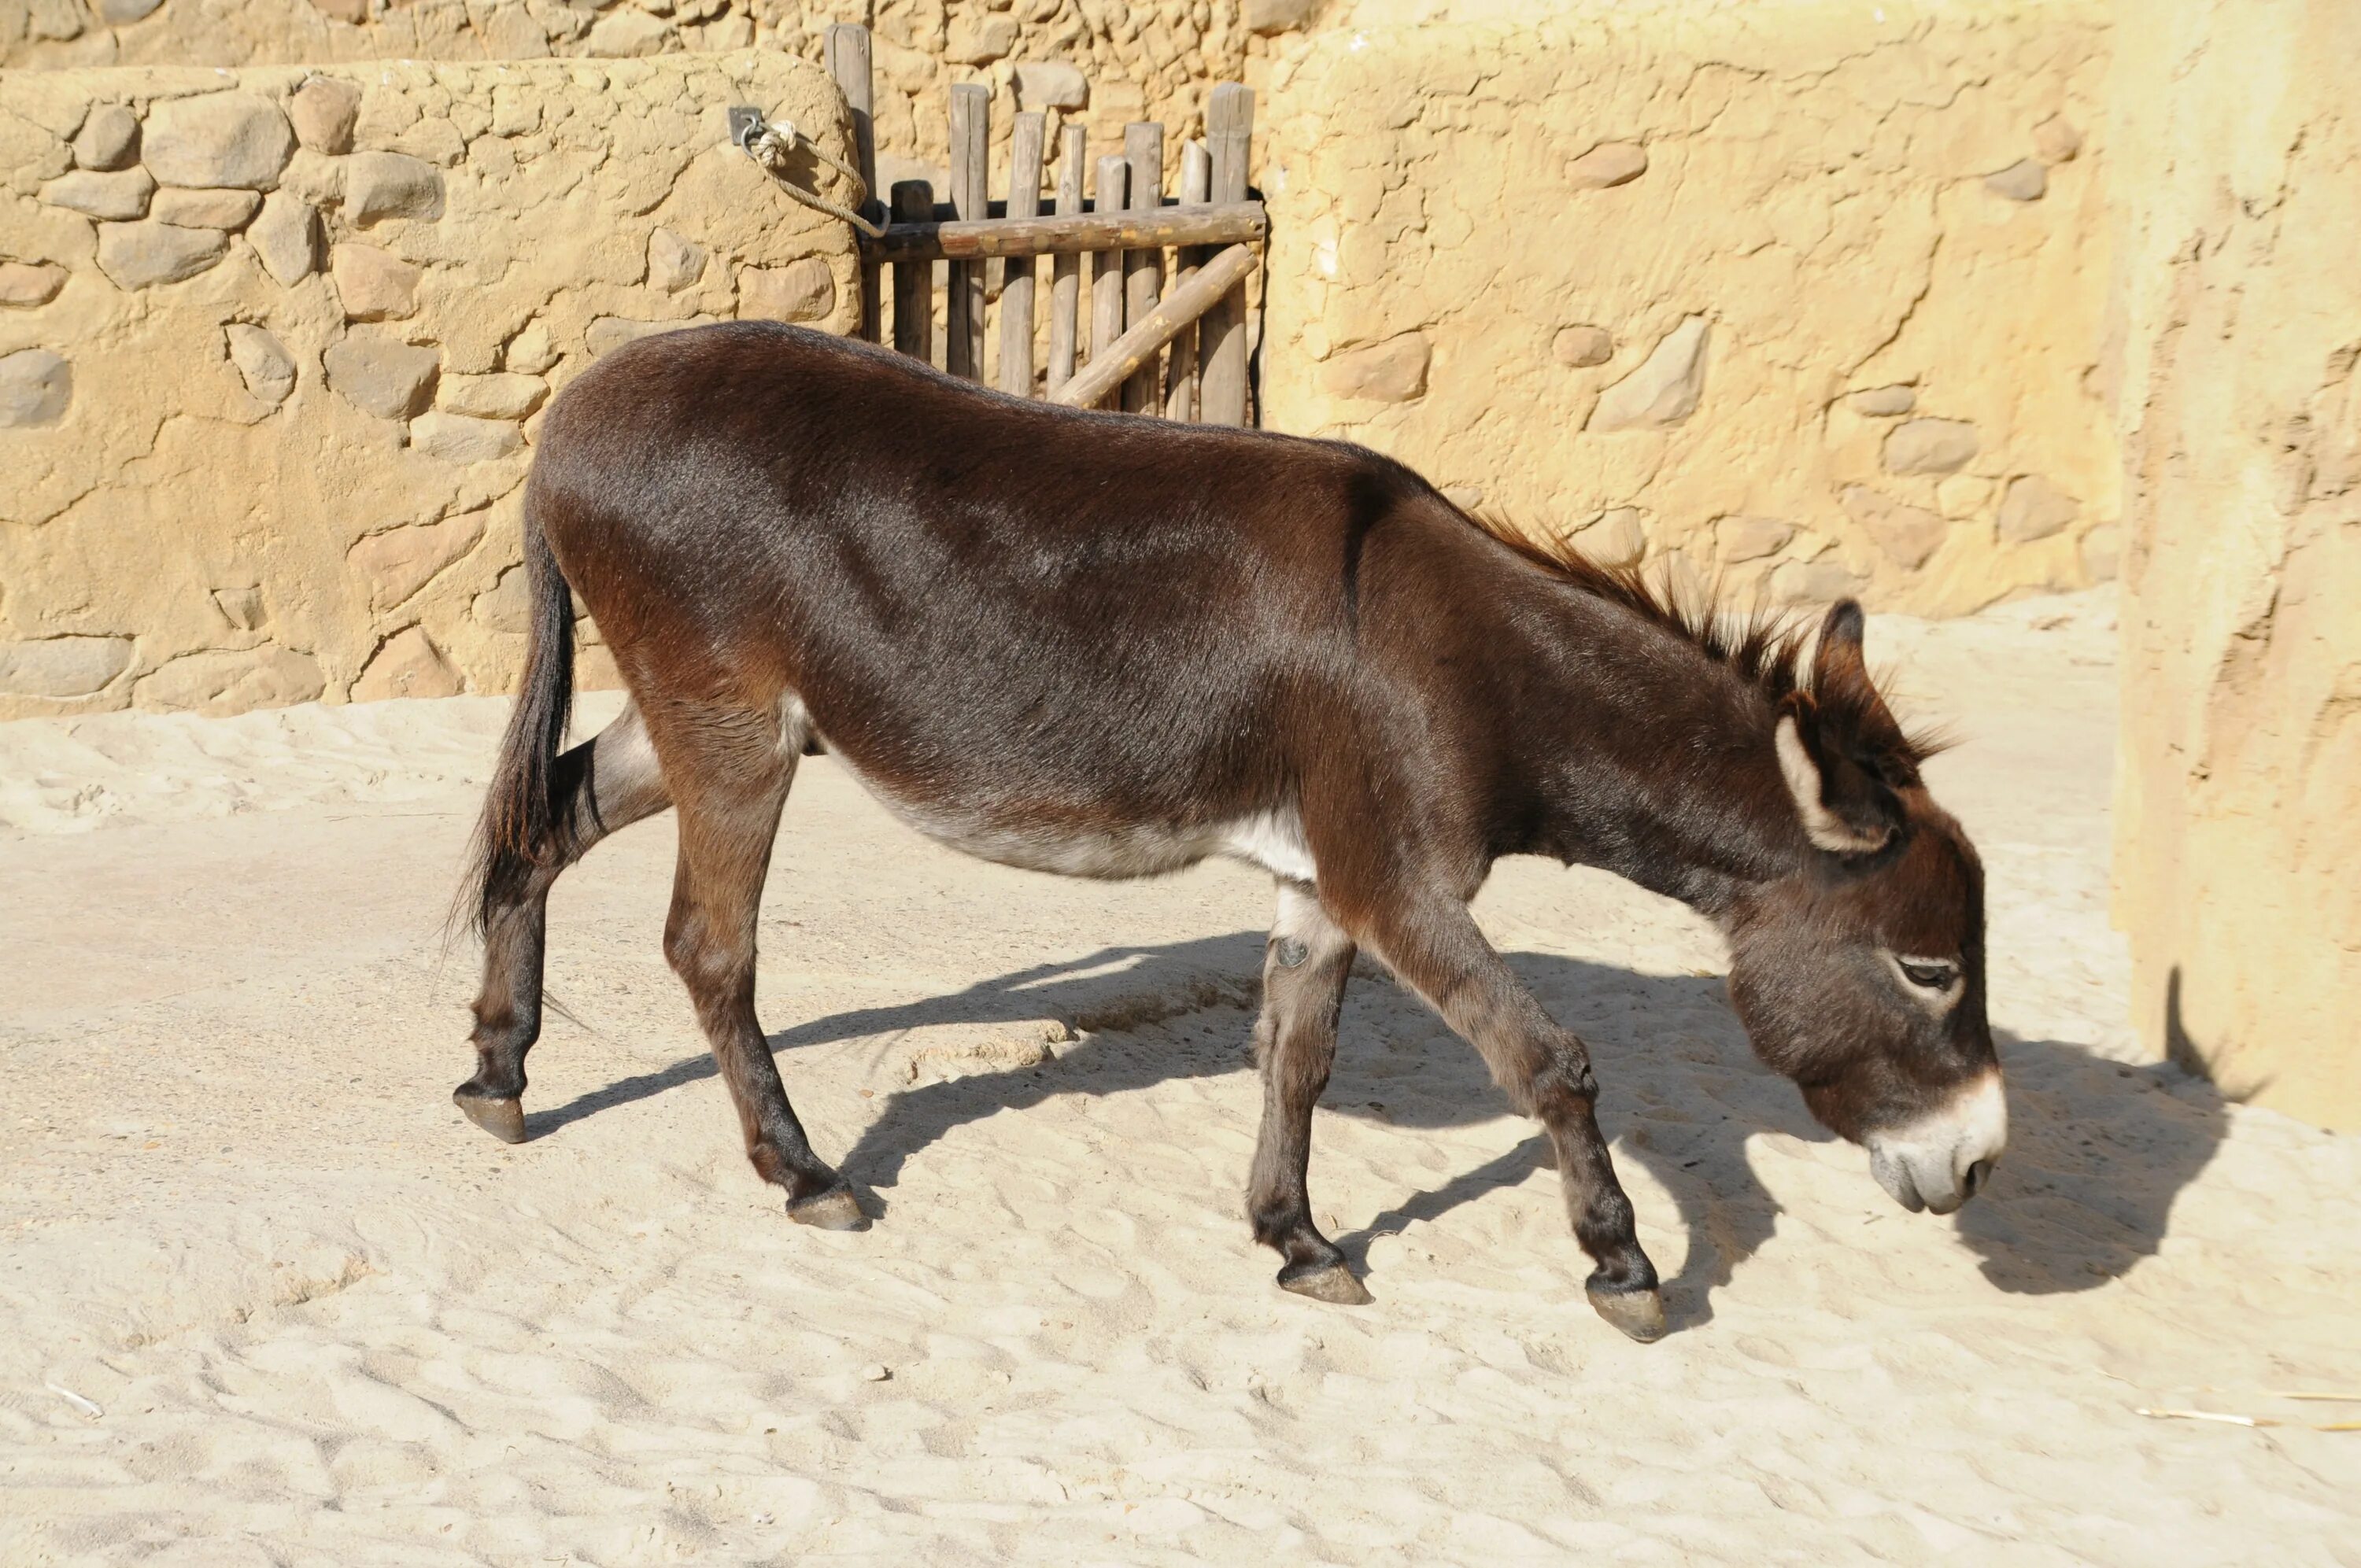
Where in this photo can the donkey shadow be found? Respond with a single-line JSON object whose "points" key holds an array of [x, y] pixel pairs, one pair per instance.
{"points": [[2098, 1150]]}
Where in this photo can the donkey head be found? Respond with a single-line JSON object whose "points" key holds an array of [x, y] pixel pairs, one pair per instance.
{"points": [[1860, 973]]}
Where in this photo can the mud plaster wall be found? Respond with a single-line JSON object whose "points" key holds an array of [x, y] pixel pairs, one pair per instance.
{"points": [[1809, 293], [2238, 821], [1105, 61], [276, 341]]}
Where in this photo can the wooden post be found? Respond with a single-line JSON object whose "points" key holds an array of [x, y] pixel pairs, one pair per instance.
{"points": [[1016, 292], [913, 282], [1143, 270], [847, 48], [971, 150], [1106, 283], [1181, 363], [1066, 285], [1222, 334], [1138, 347]]}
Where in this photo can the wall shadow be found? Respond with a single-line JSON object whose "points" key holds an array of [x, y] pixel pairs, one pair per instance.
{"points": [[2098, 1150]]}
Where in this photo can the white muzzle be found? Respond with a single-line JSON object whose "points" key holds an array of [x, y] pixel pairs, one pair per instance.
{"points": [[1939, 1161]]}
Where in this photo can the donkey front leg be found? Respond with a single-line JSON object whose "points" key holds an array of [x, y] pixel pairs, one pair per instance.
{"points": [[601, 786], [730, 771], [1434, 945], [1305, 965]]}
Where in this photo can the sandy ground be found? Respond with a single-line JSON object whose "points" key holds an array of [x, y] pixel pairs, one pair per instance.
{"points": [[265, 1298]]}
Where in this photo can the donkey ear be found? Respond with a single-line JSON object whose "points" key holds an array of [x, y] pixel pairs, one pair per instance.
{"points": [[1844, 810], [1842, 684]]}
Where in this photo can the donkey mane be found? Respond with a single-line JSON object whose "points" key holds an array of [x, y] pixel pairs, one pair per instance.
{"points": [[1762, 645]]}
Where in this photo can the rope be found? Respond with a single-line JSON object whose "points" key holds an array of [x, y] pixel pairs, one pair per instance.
{"points": [[770, 146]]}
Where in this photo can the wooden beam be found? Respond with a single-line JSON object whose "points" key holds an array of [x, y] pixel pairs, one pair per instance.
{"points": [[970, 143], [1222, 337], [1064, 234], [1065, 277], [1024, 145], [847, 48], [1139, 346], [1143, 268]]}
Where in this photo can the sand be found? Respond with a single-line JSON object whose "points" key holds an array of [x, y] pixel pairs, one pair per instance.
{"points": [[265, 1298]]}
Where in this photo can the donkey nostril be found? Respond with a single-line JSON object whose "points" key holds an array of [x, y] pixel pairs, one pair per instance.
{"points": [[1978, 1174]]}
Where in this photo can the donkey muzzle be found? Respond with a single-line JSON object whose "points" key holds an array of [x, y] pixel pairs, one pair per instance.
{"points": [[1940, 1160]]}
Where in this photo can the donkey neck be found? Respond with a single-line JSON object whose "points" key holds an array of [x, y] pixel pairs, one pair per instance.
{"points": [[1647, 755]]}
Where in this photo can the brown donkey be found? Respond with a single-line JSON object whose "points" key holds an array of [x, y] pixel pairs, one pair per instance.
{"points": [[1110, 646]]}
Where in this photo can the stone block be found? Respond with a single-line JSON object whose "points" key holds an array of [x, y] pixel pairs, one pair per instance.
{"points": [[380, 185], [262, 361], [1615, 537], [409, 665], [978, 39], [123, 13], [375, 285], [1580, 347], [204, 209], [1907, 534], [218, 683], [500, 395], [115, 197], [109, 138], [1739, 539], [36, 388], [221, 138], [1607, 165], [1269, 16], [1051, 85], [1664, 390], [2027, 179], [243, 608], [380, 375], [461, 438], [607, 333], [2032, 507], [1928, 447], [1883, 402], [353, 12], [24, 284], [531, 350], [287, 237], [801, 291], [1390, 372], [142, 255], [62, 668], [324, 110], [398, 563], [673, 263], [1823, 581], [625, 34], [2056, 140]]}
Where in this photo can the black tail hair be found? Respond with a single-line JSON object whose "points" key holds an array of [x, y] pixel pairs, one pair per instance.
{"points": [[521, 829]]}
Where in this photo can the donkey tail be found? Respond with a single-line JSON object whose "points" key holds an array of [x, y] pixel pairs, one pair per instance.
{"points": [[523, 827]]}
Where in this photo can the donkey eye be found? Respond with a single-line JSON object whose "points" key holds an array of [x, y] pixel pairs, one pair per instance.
{"points": [[1932, 974]]}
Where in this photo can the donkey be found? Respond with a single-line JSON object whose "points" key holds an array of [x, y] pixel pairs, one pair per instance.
{"points": [[1110, 646]]}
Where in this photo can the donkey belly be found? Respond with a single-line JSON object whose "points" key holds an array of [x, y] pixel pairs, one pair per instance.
{"points": [[1082, 836]]}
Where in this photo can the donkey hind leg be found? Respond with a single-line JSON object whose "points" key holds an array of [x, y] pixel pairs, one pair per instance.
{"points": [[1437, 948], [602, 786], [1305, 965], [730, 771]]}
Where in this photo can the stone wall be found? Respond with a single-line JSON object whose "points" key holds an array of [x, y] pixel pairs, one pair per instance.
{"points": [[1814, 302], [2238, 305], [1106, 60], [273, 343]]}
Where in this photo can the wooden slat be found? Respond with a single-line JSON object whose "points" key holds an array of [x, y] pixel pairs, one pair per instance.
{"points": [[970, 141], [1106, 282], [847, 47], [1016, 292], [1064, 234], [1138, 347], [1066, 286], [1143, 268], [1180, 362], [913, 281], [1222, 336]]}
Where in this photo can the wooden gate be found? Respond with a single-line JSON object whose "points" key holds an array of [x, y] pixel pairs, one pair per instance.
{"points": [[1166, 327]]}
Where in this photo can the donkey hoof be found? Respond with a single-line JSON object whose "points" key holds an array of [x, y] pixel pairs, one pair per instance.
{"points": [[504, 1119], [1638, 1313], [834, 1210], [1330, 1282]]}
